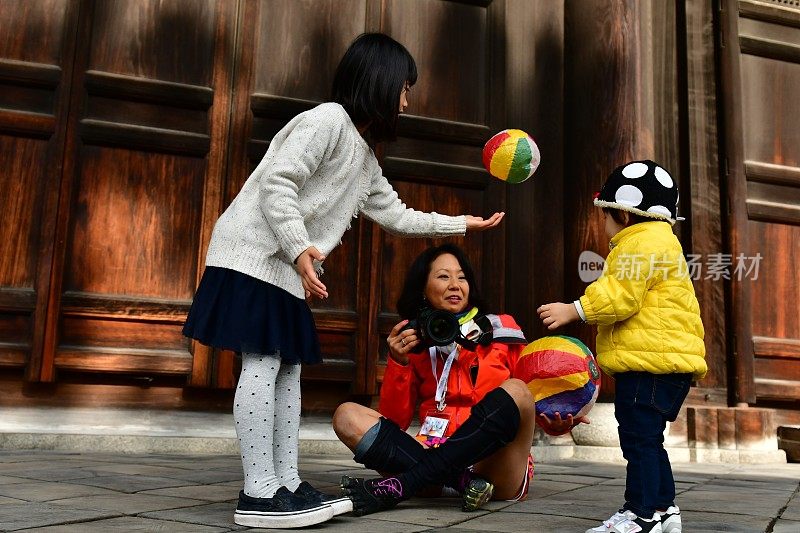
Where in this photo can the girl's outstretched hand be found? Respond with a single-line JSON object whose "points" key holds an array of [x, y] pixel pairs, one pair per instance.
{"points": [[480, 224], [557, 314], [305, 267]]}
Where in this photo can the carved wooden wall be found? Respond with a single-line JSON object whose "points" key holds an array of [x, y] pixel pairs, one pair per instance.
{"points": [[139, 129], [128, 126], [34, 103], [760, 78], [623, 94]]}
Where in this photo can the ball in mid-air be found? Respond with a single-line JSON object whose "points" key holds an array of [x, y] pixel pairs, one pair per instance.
{"points": [[511, 155], [562, 375]]}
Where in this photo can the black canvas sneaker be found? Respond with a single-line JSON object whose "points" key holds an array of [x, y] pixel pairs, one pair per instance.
{"points": [[339, 504], [283, 511]]}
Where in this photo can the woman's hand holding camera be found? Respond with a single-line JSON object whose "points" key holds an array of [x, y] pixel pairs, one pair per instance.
{"points": [[558, 425], [401, 342]]}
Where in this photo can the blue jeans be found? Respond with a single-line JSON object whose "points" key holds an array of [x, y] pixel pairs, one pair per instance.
{"points": [[644, 403]]}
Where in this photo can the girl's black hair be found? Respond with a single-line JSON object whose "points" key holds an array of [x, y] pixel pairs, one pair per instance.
{"points": [[633, 218], [412, 298], [368, 83]]}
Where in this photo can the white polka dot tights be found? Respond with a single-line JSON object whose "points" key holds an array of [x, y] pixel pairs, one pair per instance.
{"points": [[266, 410]]}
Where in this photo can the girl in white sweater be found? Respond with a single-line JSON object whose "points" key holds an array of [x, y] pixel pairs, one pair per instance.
{"points": [[265, 258]]}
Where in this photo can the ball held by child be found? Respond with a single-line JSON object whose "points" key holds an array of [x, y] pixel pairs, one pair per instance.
{"points": [[562, 375]]}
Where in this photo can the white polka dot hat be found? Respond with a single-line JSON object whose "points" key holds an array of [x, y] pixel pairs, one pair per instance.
{"points": [[641, 187]]}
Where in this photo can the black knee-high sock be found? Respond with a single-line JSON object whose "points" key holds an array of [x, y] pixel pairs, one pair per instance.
{"points": [[392, 451], [493, 423]]}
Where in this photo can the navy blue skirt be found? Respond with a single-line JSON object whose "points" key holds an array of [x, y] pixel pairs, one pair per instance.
{"points": [[234, 311]]}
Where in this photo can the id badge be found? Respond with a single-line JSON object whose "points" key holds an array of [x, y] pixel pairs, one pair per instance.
{"points": [[435, 424]]}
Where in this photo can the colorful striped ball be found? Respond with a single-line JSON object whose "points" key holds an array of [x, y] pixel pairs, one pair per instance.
{"points": [[562, 375], [511, 155]]}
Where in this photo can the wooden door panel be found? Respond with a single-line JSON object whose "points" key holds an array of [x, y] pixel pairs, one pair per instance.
{"points": [[16, 326], [776, 290], [170, 41], [130, 261], [339, 342], [770, 92], [24, 163], [24, 176], [773, 202], [451, 63], [436, 163], [776, 379], [299, 44], [769, 213], [29, 99], [38, 30], [135, 224], [143, 178], [35, 61], [101, 110], [760, 33], [111, 332], [435, 159]]}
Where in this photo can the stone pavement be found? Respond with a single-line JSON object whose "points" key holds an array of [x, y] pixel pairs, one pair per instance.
{"points": [[92, 492]]}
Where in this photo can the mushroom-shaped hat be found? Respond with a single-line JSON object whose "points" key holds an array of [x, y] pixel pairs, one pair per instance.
{"points": [[641, 187]]}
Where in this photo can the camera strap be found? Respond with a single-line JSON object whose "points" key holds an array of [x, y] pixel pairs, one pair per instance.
{"points": [[441, 381]]}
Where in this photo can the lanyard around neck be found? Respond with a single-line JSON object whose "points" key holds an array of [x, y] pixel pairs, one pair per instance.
{"points": [[441, 381]]}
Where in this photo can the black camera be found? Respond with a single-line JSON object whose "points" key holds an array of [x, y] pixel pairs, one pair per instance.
{"points": [[435, 327]]}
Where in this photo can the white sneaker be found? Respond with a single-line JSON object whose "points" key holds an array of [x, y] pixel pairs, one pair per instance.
{"points": [[671, 520], [616, 518], [637, 524]]}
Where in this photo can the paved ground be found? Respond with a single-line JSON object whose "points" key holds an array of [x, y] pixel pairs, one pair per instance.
{"points": [[74, 492]]}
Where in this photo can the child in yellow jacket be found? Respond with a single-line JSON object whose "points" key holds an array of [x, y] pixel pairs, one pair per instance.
{"points": [[649, 336]]}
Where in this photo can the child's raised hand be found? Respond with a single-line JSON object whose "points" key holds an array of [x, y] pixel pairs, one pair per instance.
{"points": [[557, 314], [305, 267], [480, 224]]}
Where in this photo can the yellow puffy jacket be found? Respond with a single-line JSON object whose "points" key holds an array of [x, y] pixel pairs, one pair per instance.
{"points": [[644, 305]]}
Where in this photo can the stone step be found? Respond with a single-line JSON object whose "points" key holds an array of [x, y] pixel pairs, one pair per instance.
{"points": [[80, 429], [140, 431]]}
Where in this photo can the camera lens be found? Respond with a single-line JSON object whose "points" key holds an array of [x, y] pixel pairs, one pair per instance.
{"points": [[439, 328], [442, 328]]}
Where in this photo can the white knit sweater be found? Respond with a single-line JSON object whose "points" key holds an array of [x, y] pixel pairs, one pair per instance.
{"points": [[317, 174]]}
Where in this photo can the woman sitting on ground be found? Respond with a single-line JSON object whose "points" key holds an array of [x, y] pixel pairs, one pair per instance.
{"points": [[470, 390]]}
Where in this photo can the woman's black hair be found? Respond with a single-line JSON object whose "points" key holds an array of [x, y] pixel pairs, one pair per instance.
{"points": [[412, 298], [368, 83]]}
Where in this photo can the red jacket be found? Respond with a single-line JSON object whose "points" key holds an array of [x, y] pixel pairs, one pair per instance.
{"points": [[489, 365]]}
